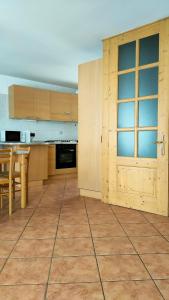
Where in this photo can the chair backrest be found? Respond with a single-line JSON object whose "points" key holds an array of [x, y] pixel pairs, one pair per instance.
{"points": [[6, 161]]}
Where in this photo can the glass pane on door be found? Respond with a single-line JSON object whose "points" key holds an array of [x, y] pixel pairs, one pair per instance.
{"points": [[127, 56], [148, 113], [126, 115], [148, 82], [126, 86], [149, 50], [125, 143], [146, 143]]}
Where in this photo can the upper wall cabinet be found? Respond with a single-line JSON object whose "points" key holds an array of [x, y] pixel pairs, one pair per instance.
{"points": [[39, 104], [63, 106]]}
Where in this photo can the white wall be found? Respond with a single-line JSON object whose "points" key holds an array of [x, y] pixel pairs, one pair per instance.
{"points": [[43, 129]]}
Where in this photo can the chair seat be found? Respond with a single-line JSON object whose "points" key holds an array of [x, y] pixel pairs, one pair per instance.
{"points": [[3, 180], [14, 175]]}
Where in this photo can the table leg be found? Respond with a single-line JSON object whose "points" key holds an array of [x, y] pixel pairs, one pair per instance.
{"points": [[23, 182]]}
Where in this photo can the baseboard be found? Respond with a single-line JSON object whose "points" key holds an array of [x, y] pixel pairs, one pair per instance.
{"points": [[91, 194]]}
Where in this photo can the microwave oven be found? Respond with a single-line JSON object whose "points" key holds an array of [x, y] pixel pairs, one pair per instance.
{"points": [[14, 136]]}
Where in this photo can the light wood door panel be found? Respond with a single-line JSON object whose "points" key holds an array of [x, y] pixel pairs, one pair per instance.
{"points": [[138, 182], [89, 128]]}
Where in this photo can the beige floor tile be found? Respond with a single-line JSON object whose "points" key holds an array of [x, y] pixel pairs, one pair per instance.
{"points": [[102, 219], [157, 265], [99, 210], [6, 248], [153, 218], [2, 261], [135, 217], [50, 211], [22, 292], [153, 244], [74, 269], [73, 247], [26, 212], [10, 232], [33, 248], [72, 231], [25, 271], [163, 286], [14, 220], [120, 209], [73, 219], [107, 230], [35, 220], [81, 291], [131, 290], [140, 229], [39, 231], [163, 228], [121, 267], [113, 245]]}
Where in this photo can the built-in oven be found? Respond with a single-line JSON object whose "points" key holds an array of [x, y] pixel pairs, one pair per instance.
{"points": [[65, 156]]}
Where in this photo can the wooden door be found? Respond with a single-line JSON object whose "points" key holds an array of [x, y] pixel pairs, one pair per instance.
{"points": [[135, 120], [90, 88]]}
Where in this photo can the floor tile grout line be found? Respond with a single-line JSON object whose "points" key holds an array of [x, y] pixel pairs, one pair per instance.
{"points": [[101, 283], [46, 290], [143, 263]]}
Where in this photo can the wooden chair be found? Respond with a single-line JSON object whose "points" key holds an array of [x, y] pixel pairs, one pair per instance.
{"points": [[6, 176]]}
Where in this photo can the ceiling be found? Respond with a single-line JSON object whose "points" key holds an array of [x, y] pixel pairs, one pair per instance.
{"points": [[45, 40]]}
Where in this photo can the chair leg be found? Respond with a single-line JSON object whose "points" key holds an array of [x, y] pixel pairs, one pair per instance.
{"points": [[1, 198], [10, 200], [14, 190]]}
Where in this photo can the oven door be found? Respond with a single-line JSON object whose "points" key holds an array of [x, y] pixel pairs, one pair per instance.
{"points": [[65, 156]]}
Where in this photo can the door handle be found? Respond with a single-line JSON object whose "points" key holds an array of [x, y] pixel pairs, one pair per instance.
{"points": [[162, 143], [158, 142]]}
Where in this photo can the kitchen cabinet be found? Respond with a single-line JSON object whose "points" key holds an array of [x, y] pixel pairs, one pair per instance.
{"points": [[22, 103], [89, 128], [38, 163], [39, 104], [63, 106]]}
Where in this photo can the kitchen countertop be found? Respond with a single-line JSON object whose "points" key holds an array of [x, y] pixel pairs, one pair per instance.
{"points": [[36, 143]]}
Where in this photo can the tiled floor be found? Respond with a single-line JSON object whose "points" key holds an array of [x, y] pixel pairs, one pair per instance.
{"points": [[68, 247]]}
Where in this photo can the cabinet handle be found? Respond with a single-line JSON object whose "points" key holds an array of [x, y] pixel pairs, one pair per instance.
{"points": [[67, 113]]}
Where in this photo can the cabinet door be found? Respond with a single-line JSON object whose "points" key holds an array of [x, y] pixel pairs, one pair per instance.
{"points": [[74, 108], [42, 104], [22, 103], [60, 106]]}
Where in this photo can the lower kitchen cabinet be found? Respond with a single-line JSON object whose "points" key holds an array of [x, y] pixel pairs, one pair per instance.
{"points": [[38, 163]]}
